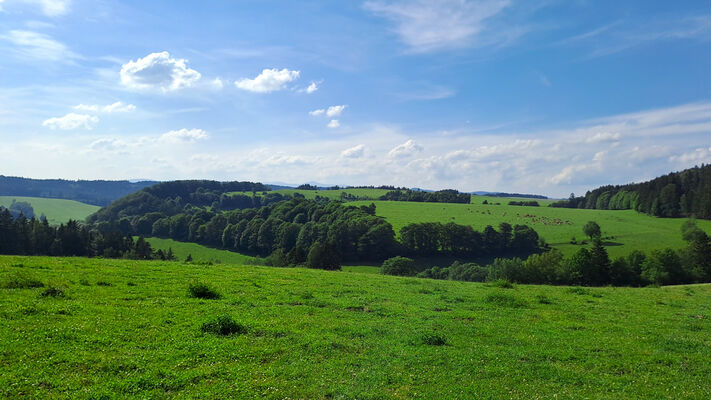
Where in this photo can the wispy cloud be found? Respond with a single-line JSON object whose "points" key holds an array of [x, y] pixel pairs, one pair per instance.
{"points": [[72, 121], [432, 25], [39, 47]]}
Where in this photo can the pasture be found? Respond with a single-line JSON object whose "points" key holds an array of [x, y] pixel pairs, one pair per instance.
{"points": [[626, 230], [93, 329], [199, 253], [57, 211]]}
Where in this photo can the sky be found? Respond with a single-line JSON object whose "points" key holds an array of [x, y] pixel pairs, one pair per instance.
{"points": [[547, 97]]}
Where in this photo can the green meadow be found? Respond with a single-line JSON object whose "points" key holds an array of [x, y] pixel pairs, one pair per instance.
{"points": [[198, 252], [57, 211], [626, 230], [115, 329]]}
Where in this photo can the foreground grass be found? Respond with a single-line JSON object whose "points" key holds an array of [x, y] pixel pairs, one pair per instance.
{"points": [[631, 230], [125, 329], [57, 211]]}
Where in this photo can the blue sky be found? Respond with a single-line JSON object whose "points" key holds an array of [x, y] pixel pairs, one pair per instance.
{"points": [[547, 97]]}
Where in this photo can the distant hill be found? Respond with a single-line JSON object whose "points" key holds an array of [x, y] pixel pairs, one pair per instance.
{"points": [[678, 194], [57, 211], [517, 195], [99, 193]]}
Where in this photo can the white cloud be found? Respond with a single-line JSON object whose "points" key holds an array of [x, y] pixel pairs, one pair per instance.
{"points": [[72, 121], [39, 46], [699, 155], [335, 111], [407, 149], [50, 8], [270, 80], [431, 25], [158, 71], [311, 88], [603, 137], [333, 124], [318, 112], [354, 152], [117, 107], [217, 83], [184, 136]]}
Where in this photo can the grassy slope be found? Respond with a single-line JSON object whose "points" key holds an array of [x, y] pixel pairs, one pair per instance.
{"points": [[199, 252], [57, 210], [632, 230], [315, 334]]}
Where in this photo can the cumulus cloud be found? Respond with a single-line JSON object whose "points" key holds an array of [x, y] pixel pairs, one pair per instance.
{"points": [[407, 149], [335, 111], [354, 152], [117, 107], [699, 155], [158, 71], [333, 124], [184, 136], [270, 80], [72, 121], [38, 46], [431, 25], [311, 88]]}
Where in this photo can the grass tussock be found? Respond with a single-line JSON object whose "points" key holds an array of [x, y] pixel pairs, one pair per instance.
{"points": [[434, 339], [502, 284], [504, 300], [21, 281], [223, 325], [201, 290], [53, 291]]}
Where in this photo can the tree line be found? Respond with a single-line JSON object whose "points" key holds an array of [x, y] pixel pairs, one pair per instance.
{"points": [[440, 196], [588, 267], [678, 194]]}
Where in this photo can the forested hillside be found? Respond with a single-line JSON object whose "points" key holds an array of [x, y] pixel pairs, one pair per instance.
{"points": [[100, 193], [678, 194]]}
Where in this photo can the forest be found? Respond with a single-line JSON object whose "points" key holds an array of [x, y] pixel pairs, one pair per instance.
{"points": [[678, 194]]}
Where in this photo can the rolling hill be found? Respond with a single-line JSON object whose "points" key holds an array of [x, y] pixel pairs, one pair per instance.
{"points": [[57, 211]]}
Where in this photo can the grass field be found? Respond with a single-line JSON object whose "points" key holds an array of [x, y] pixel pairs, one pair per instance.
{"points": [[631, 230], [126, 329], [57, 211], [199, 253], [331, 194]]}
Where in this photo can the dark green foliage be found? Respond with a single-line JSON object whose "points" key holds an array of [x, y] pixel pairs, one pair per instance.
{"points": [[682, 193], [201, 290], [223, 325], [434, 339], [20, 281], [324, 256], [441, 196], [524, 203], [592, 230], [401, 266], [18, 208]]}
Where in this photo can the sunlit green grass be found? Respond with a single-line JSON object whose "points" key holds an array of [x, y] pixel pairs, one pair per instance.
{"points": [[199, 253], [330, 194], [57, 211], [631, 230], [128, 329]]}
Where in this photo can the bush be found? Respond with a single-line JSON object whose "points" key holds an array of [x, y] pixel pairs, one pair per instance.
{"points": [[223, 325], [400, 266], [21, 281], [201, 290], [324, 256]]}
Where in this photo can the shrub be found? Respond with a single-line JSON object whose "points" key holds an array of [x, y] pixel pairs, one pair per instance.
{"points": [[434, 339], [201, 290], [223, 325], [401, 266], [21, 281]]}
